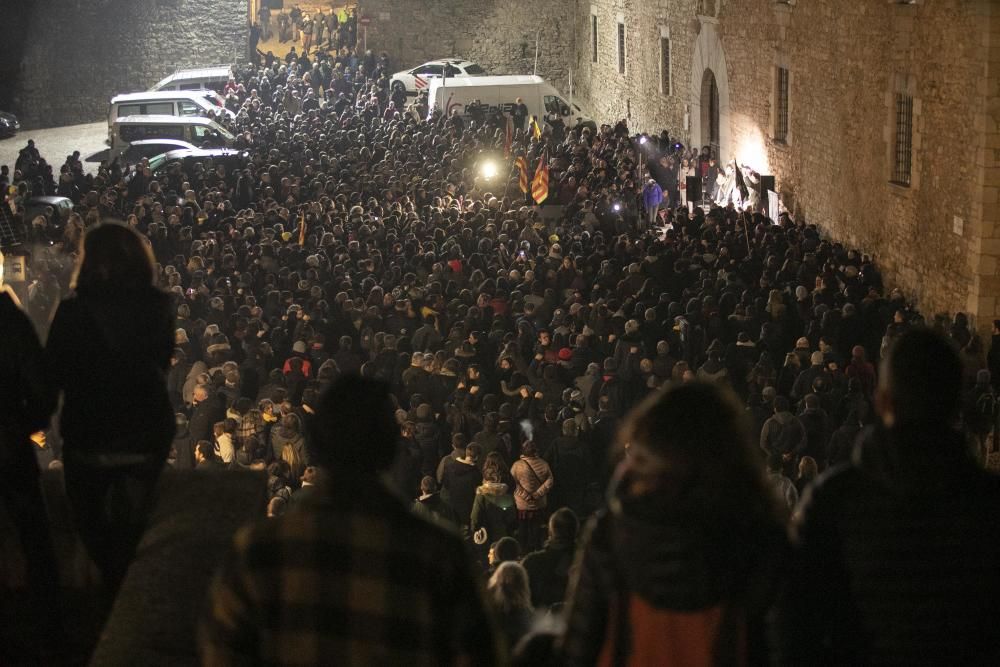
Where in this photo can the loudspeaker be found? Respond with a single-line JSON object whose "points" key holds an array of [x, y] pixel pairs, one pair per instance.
{"points": [[766, 183], [693, 184]]}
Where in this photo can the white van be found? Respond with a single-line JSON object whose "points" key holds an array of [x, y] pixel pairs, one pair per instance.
{"points": [[165, 103], [195, 130], [201, 78], [541, 98]]}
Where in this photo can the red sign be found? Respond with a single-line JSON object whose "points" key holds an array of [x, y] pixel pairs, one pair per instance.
{"points": [[365, 20]]}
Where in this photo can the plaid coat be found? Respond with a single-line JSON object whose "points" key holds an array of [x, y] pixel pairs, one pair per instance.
{"points": [[349, 577]]}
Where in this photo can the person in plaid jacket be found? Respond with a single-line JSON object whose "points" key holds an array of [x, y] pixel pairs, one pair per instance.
{"points": [[349, 576]]}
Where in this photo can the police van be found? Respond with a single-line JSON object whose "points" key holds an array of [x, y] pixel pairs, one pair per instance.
{"points": [[493, 93]]}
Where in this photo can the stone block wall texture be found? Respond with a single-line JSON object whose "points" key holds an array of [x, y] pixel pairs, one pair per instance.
{"points": [[80, 54], [498, 34], [846, 61]]}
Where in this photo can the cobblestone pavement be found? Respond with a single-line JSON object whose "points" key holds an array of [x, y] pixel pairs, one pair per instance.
{"points": [[56, 143]]}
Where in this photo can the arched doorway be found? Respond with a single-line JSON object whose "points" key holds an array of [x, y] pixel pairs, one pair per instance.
{"points": [[709, 94], [710, 112]]}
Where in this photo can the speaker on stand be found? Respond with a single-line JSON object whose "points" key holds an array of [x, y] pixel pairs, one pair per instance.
{"points": [[693, 184]]}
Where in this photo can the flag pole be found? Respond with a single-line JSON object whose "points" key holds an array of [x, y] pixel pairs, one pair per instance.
{"points": [[538, 35]]}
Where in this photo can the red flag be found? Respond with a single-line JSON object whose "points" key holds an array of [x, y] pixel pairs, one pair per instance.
{"points": [[540, 184], [522, 167], [508, 140]]}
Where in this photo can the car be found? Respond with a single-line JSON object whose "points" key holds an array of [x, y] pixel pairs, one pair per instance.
{"points": [[418, 79], [149, 148], [61, 206], [9, 124], [187, 158]]}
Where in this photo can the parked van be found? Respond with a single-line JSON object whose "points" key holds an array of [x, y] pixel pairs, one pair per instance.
{"points": [[201, 78], [196, 130], [494, 92], [166, 103]]}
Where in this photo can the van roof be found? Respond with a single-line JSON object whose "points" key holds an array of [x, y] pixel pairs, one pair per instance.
{"points": [[159, 95], [213, 72], [165, 120], [482, 81]]}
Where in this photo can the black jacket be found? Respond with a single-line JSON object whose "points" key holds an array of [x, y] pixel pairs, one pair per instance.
{"points": [[27, 403], [548, 572], [897, 557], [108, 352]]}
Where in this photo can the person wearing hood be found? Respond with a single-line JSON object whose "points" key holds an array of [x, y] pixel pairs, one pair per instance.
{"points": [[902, 536], [585, 384], [783, 434], [683, 565]]}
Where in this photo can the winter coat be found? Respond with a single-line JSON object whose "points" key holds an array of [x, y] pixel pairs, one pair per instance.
{"points": [[548, 572], [533, 480], [662, 576], [888, 546], [494, 510], [652, 195], [459, 480], [108, 352]]}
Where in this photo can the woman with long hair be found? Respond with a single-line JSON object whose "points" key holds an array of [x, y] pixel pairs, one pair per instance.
{"points": [[509, 593], [681, 566], [108, 351]]}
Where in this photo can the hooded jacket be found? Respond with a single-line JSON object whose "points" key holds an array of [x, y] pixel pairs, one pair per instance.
{"points": [[674, 574], [493, 509], [897, 557]]}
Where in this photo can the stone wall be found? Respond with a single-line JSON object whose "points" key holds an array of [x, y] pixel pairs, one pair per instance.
{"points": [[80, 54], [938, 238], [498, 34]]}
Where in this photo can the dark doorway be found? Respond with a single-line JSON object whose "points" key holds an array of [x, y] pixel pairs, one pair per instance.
{"points": [[710, 112]]}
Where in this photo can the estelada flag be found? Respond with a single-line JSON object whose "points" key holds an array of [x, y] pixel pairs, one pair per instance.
{"points": [[522, 178], [302, 230], [535, 128], [508, 140], [540, 184]]}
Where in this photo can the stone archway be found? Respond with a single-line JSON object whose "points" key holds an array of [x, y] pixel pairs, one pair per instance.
{"points": [[709, 92]]}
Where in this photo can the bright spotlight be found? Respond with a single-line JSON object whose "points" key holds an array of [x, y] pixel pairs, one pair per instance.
{"points": [[617, 207], [643, 140], [489, 169]]}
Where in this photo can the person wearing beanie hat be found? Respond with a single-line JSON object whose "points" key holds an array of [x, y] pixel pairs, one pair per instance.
{"points": [[353, 438]]}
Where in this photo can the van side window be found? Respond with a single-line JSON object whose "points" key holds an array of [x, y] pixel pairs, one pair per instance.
{"points": [[159, 108], [190, 86], [128, 110], [188, 108]]}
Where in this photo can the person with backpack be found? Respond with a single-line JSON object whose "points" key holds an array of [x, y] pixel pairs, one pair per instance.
{"points": [[683, 564]]}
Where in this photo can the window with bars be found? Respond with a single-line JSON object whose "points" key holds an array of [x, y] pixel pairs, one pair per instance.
{"points": [[903, 149], [781, 105], [665, 80], [593, 38], [621, 48]]}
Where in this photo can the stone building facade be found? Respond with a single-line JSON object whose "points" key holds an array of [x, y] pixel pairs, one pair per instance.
{"points": [[80, 54], [710, 71], [850, 69]]}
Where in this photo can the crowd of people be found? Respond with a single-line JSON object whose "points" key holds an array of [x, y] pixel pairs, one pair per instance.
{"points": [[360, 305]]}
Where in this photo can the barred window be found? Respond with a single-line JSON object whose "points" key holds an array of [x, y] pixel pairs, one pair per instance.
{"points": [[781, 104], [903, 151], [665, 79], [593, 38], [621, 48]]}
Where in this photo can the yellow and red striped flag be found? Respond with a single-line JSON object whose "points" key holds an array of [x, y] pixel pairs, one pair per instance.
{"points": [[302, 230], [540, 184], [535, 128], [522, 168]]}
